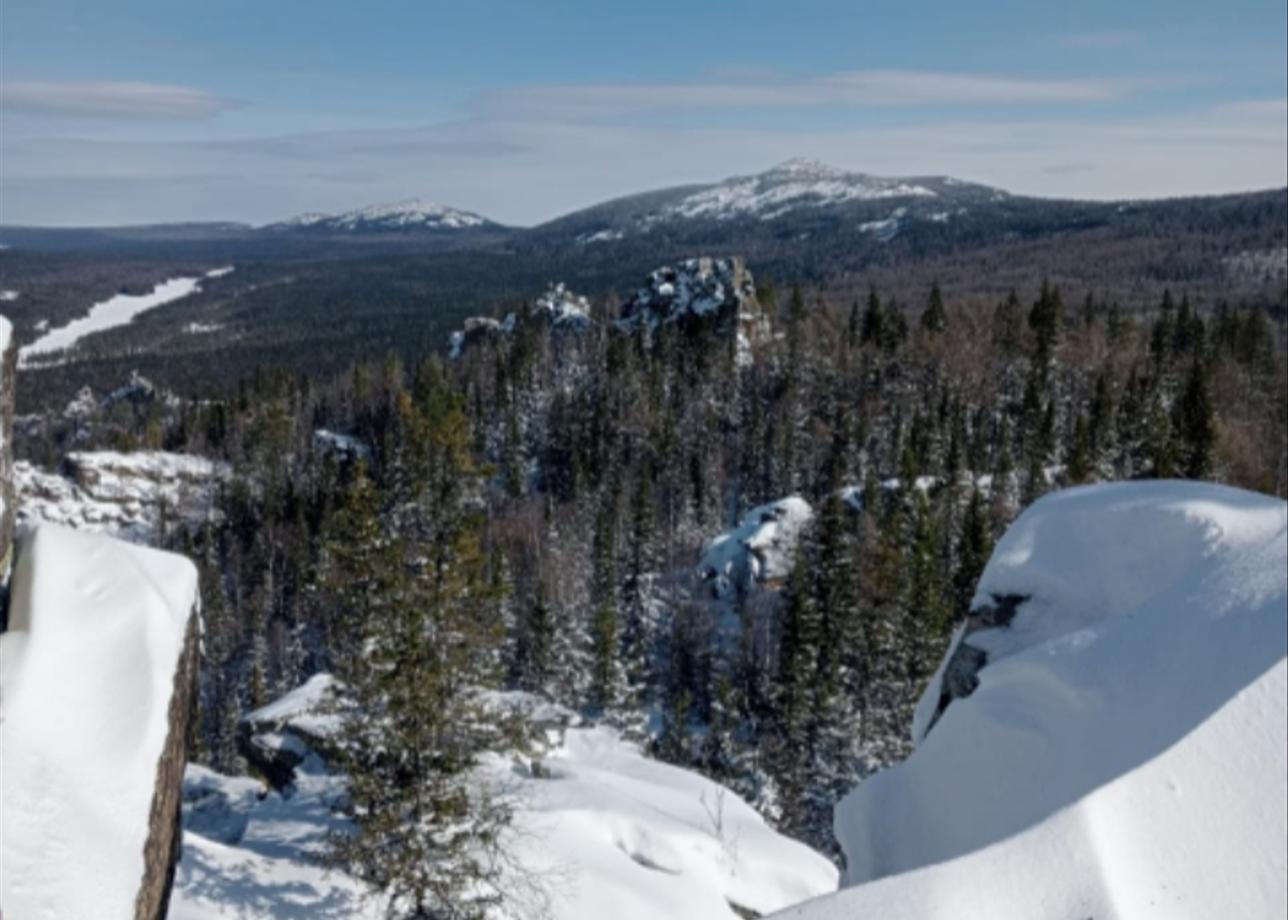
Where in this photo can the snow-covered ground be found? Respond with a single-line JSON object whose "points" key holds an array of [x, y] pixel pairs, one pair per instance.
{"points": [[115, 311], [602, 829], [87, 668], [1125, 752], [124, 495]]}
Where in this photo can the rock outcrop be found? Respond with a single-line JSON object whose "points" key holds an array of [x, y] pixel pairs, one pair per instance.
{"points": [[99, 645], [8, 373]]}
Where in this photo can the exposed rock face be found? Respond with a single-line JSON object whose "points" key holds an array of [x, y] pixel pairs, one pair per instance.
{"points": [[8, 372], [704, 292], [960, 676], [125, 606], [718, 294], [132, 496], [165, 821], [558, 310]]}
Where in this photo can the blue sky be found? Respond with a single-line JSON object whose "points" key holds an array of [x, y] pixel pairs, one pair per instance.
{"points": [[116, 112]]}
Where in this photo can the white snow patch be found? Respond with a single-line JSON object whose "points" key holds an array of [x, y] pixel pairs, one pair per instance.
{"points": [[8, 296], [115, 311], [87, 667], [600, 236], [1126, 750]]}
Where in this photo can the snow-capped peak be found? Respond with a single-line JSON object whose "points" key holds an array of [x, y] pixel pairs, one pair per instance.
{"points": [[407, 214], [797, 183], [803, 167]]}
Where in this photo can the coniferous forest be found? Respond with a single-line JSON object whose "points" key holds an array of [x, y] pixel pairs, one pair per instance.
{"points": [[540, 505]]}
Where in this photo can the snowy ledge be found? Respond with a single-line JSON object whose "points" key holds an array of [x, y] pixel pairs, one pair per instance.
{"points": [[96, 676]]}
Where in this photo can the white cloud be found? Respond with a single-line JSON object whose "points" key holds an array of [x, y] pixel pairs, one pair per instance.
{"points": [[758, 91], [525, 170], [111, 100]]}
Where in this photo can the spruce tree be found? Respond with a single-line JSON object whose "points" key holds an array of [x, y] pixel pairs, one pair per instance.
{"points": [[934, 319], [426, 830]]}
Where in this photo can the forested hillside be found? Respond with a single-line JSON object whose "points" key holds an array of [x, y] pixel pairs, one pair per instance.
{"points": [[554, 500]]}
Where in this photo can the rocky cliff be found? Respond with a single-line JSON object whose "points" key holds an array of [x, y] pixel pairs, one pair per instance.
{"points": [[98, 669]]}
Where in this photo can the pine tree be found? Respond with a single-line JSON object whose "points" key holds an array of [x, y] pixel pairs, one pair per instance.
{"points": [[794, 683], [974, 547], [427, 832], [934, 319], [1194, 422]]}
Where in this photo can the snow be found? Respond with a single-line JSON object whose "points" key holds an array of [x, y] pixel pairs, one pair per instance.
{"points": [[414, 212], [794, 184], [701, 286], [307, 708], [251, 853], [96, 629], [334, 442], [115, 311], [635, 839], [560, 305], [1126, 750], [885, 230], [8, 296], [761, 548], [601, 236], [118, 494], [604, 830]]}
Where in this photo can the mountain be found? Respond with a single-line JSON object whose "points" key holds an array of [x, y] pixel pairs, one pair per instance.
{"points": [[411, 215], [798, 188]]}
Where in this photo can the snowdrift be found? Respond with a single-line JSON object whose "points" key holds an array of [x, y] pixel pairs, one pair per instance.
{"points": [[1125, 752], [603, 830], [87, 671]]}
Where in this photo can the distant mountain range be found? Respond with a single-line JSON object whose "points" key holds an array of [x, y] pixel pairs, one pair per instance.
{"points": [[791, 188], [414, 214]]}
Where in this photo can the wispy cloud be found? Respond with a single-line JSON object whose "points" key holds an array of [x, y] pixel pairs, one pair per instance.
{"points": [[112, 100], [760, 90], [537, 170]]}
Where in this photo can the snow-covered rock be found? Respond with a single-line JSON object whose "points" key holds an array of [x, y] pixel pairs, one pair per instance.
{"points": [[761, 550], [129, 495], [1125, 752], [558, 310], [96, 675], [276, 739], [560, 306], [701, 287], [335, 443], [602, 829], [412, 214], [8, 376]]}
